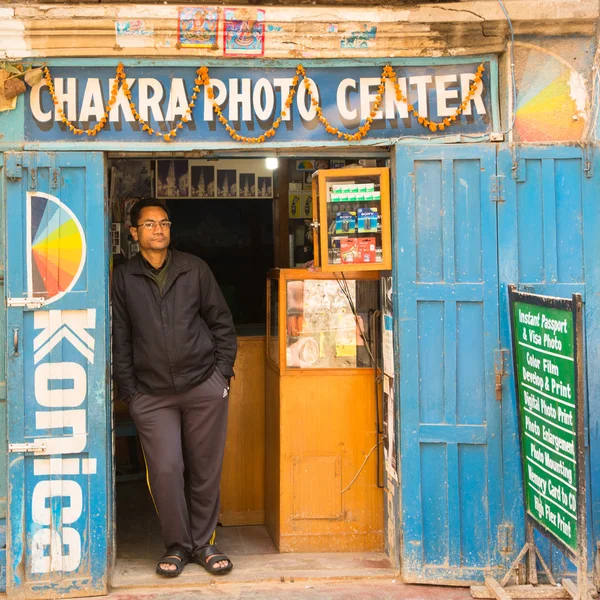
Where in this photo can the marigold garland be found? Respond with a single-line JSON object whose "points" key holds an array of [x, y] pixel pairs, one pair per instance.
{"points": [[203, 79]]}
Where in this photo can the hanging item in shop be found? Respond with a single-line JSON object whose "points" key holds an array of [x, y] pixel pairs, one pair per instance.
{"points": [[388, 76]]}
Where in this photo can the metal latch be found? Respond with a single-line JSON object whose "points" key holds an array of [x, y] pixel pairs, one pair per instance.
{"points": [[27, 447], [499, 371], [506, 538], [25, 302], [14, 163]]}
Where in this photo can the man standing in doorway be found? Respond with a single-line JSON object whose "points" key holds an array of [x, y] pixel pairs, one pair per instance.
{"points": [[174, 346]]}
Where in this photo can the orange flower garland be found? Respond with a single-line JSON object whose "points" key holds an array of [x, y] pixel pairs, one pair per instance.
{"points": [[203, 79]]}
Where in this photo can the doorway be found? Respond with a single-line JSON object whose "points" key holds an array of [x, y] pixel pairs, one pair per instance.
{"points": [[243, 219]]}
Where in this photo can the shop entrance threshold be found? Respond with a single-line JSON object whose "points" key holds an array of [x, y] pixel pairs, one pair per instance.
{"points": [[255, 568]]}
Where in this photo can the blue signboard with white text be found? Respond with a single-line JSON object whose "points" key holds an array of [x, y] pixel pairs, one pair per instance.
{"points": [[253, 98]]}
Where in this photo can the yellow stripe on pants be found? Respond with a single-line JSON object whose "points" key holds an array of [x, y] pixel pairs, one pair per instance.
{"points": [[148, 480]]}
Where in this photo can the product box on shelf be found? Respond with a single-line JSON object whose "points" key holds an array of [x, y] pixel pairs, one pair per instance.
{"points": [[367, 220], [345, 222]]}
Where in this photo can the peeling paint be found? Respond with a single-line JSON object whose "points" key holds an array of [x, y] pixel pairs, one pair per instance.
{"points": [[362, 38], [577, 84], [420, 31], [12, 36], [134, 33]]}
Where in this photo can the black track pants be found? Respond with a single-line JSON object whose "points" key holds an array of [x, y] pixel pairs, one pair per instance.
{"points": [[198, 418]]}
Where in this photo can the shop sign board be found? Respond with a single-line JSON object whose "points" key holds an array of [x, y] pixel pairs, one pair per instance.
{"points": [[548, 375], [252, 98]]}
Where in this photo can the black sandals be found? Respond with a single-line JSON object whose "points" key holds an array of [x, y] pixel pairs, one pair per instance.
{"points": [[209, 556], [173, 556]]}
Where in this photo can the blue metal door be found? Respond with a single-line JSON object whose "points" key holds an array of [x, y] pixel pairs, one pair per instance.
{"points": [[447, 333], [548, 224], [57, 271]]}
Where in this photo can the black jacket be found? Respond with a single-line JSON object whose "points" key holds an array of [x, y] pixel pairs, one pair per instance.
{"points": [[169, 344]]}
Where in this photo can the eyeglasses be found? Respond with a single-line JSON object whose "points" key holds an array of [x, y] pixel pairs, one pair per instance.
{"points": [[154, 224]]}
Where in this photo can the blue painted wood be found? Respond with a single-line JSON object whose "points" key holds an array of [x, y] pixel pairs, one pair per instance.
{"points": [[3, 432], [548, 244], [445, 255], [58, 503], [3, 570]]}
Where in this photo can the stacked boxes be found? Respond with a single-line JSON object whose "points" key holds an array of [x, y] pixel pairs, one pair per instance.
{"points": [[354, 192]]}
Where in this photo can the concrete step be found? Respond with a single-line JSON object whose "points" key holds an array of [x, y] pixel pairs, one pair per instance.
{"points": [[131, 573]]}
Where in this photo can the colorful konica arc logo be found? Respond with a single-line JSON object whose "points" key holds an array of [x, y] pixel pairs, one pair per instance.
{"points": [[55, 247]]}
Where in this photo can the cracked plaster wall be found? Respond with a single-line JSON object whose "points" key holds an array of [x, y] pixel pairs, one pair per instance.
{"points": [[455, 28]]}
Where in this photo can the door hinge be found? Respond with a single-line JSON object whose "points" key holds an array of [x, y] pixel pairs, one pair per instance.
{"points": [[500, 357], [27, 447], [497, 188], [14, 163], [506, 538], [31, 303]]}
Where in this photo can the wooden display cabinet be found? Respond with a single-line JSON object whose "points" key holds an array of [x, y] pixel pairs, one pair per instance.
{"points": [[353, 219], [320, 417]]}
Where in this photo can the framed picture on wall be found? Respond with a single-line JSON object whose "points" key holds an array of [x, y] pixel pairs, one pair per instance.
{"points": [[131, 178], [202, 181], [265, 187], [172, 178], [247, 185], [227, 183]]}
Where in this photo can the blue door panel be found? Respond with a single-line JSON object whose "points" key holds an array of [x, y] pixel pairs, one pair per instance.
{"points": [[548, 244], [445, 251], [3, 432], [57, 258]]}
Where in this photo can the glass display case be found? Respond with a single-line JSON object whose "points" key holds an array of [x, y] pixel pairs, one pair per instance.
{"points": [[319, 321], [353, 219]]}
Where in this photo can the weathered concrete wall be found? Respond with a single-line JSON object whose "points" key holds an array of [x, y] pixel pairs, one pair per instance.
{"points": [[428, 29]]}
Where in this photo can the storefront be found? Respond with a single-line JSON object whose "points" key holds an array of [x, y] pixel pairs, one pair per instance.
{"points": [[397, 432]]}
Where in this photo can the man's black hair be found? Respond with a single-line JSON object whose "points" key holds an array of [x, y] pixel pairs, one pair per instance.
{"points": [[136, 209]]}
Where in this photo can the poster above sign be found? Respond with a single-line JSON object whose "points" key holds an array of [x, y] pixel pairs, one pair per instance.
{"points": [[252, 99]]}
